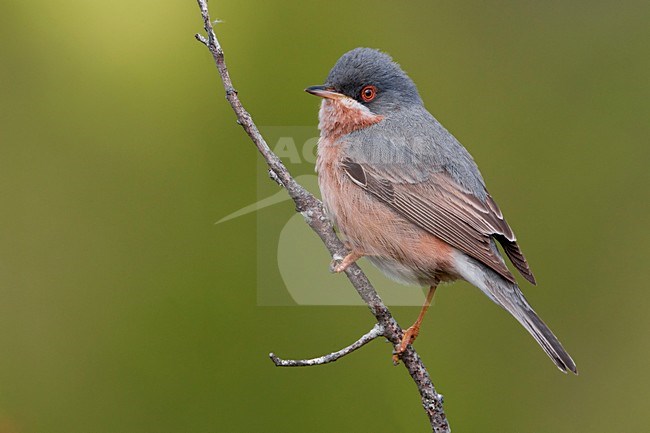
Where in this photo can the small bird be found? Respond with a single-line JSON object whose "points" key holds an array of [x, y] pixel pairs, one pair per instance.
{"points": [[409, 197]]}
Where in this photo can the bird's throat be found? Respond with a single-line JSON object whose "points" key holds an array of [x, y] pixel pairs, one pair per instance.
{"points": [[338, 117]]}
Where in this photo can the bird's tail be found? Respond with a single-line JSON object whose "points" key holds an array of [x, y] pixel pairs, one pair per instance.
{"points": [[508, 296]]}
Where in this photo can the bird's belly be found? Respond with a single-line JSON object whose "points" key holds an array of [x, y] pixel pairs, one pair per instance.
{"points": [[401, 272], [403, 251]]}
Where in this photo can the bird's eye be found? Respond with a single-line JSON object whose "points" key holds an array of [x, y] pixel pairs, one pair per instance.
{"points": [[368, 93]]}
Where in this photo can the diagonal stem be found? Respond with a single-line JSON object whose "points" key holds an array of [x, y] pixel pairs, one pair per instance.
{"points": [[312, 209]]}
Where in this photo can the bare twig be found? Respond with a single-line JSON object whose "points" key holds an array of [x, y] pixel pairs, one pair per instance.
{"points": [[312, 209], [375, 332]]}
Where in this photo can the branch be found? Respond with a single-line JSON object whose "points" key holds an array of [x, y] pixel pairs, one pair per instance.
{"points": [[312, 209], [375, 332]]}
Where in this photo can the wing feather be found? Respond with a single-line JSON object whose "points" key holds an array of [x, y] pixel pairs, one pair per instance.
{"points": [[441, 207]]}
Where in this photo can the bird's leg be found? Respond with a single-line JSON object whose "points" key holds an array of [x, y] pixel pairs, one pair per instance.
{"points": [[339, 266], [412, 332]]}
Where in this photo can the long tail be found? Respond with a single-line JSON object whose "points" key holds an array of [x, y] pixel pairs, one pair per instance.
{"points": [[508, 296]]}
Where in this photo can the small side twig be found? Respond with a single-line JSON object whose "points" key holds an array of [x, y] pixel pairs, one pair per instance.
{"points": [[375, 332], [312, 209]]}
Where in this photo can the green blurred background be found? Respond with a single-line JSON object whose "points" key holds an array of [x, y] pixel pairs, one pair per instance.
{"points": [[124, 308]]}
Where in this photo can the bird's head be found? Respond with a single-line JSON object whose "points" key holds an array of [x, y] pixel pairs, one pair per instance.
{"points": [[363, 87]]}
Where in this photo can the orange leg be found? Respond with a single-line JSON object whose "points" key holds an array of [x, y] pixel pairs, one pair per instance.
{"points": [[411, 333], [346, 262]]}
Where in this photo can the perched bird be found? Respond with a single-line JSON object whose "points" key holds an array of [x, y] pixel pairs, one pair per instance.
{"points": [[409, 197]]}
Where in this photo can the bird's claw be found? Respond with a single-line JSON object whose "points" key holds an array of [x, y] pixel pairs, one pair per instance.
{"points": [[340, 264], [335, 264], [409, 337]]}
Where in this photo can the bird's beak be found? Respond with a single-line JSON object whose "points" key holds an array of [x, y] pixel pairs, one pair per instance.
{"points": [[324, 92]]}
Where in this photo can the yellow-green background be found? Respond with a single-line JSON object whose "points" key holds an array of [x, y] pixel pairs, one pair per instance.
{"points": [[123, 308]]}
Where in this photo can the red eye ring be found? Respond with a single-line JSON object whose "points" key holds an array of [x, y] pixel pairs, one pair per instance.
{"points": [[368, 93]]}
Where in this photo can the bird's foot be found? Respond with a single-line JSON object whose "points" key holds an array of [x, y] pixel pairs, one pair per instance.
{"points": [[409, 337], [340, 264]]}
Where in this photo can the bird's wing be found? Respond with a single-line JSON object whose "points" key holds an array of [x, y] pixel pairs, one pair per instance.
{"points": [[441, 207]]}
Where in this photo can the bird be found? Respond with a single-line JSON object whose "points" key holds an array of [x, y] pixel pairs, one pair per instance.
{"points": [[406, 194]]}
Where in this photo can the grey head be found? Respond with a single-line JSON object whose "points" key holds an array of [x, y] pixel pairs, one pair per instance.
{"points": [[373, 79]]}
